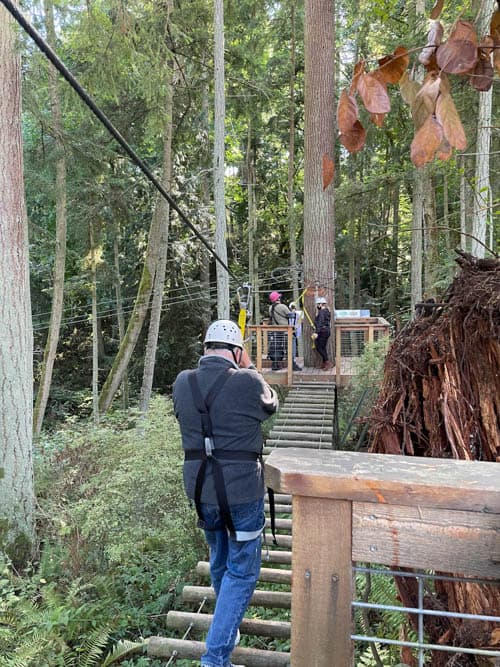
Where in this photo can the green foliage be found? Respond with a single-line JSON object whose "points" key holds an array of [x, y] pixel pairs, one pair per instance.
{"points": [[355, 400], [117, 539]]}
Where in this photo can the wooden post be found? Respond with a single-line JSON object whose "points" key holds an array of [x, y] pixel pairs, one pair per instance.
{"points": [[370, 333], [321, 582], [259, 334], [289, 366], [338, 353]]}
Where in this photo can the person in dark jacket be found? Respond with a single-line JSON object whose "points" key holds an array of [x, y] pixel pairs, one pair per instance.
{"points": [[322, 330], [243, 400]]}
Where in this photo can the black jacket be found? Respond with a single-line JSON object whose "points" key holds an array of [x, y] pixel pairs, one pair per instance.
{"points": [[243, 403], [322, 321]]}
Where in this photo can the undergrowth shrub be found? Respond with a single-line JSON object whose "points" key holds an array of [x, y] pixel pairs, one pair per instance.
{"points": [[117, 541], [356, 400]]}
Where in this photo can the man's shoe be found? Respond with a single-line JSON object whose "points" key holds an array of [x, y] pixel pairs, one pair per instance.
{"points": [[296, 367], [275, 367]]}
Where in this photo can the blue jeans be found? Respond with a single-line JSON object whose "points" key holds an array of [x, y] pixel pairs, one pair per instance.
{"points": [[234, 570]]}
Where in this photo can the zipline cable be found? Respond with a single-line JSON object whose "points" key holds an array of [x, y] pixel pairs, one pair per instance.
{"points": [[82, 93]]}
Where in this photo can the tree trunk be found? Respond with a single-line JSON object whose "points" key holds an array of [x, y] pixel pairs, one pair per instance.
{"points": [[120, 364], [250, 168], [95, 330], [431, 232], [206, 305], [291, 162], [319, 129], [394, 248], [417, 228], [16, 346], [119, 310], [162, 210], [482, 179], [464, 190], [60, 248], [219, 160]]}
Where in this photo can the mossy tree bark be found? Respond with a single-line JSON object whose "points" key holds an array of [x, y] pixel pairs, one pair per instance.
{"points": [[16, 345], [162, 210]]}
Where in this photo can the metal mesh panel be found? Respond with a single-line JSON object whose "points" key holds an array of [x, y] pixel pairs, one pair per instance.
{"points": [[383, 628]]}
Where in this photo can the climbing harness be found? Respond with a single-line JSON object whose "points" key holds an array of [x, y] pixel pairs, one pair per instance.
{"points": [[209, 455]]}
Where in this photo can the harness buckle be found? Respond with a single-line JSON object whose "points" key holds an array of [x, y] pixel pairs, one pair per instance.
{"points": [[209, 446]]}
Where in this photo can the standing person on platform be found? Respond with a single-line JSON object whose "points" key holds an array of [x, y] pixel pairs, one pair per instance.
{"points": [[220, 407], [322, 330], [278, 316]]}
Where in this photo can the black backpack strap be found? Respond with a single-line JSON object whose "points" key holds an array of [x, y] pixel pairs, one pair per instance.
{"points": [[272, 514]]}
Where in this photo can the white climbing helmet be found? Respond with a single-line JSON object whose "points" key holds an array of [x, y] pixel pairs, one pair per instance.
{"points": [[224, 331], [320, 299]]}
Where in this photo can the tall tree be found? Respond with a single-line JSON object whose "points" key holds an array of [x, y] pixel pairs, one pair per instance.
{"points": [[16, 347], [162, 210], [60, 251], [319, 201], [219, 161], [291, 160], [482, 179]]}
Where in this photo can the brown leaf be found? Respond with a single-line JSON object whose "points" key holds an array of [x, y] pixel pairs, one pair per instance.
{"points": [[463, 31], [425, 101], [444, 86], [437, 9], [481, 77], [354, 140], [487, 44], [392, 67], [359, 68], [445, 151], [426, 142], [328, 171], [447, 115], [373, 93], [495, 22], [408, 88], [434, 38], [377, 119], [347, 111], [496, 53], [459, 53]]}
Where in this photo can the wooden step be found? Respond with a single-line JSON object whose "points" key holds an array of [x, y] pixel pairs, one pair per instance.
{"points": [[279, 509], [276, 556], [300, 430], [276, 599], [267, 574], [181, 620], [310, 436], [280, 524], [306, 444], [163, 647]]}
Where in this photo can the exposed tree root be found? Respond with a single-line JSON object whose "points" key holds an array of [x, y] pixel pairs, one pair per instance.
{"points": [[440, 397]]}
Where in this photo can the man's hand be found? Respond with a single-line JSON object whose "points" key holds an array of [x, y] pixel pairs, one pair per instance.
{"points": [[245, 360]]}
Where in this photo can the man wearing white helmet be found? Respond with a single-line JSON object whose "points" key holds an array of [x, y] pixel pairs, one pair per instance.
{"points": [[220, 407]]}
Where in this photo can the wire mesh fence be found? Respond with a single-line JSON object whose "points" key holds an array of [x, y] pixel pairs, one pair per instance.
{"points": [[388, 632]]}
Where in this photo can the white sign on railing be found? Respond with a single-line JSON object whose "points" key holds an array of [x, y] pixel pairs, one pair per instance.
{"points": [[352, 313]]}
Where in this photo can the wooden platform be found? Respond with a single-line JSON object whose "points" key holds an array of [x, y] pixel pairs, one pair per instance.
{"points": [[307, 374]]}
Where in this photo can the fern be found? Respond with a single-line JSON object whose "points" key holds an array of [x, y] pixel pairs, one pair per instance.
{"points": [[122, 650]]}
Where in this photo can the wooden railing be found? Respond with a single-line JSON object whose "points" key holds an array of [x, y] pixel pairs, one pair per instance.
{"points": [[366, 327], [377, 508], [261, 334]]}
